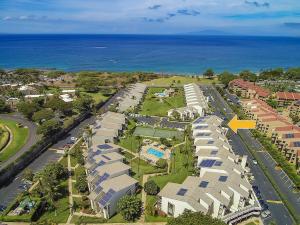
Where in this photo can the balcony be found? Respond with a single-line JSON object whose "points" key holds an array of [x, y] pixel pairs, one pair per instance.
{"points": [[234, 217]]}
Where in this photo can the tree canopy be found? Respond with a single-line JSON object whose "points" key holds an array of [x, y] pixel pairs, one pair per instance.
{"points": [[151, 187], [226, 77], [43, 115], [130, 207], [49, 128], [194, 218], [209, 73]]}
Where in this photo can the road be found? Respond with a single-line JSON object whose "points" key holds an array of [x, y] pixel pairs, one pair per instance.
{"points": [[9, 192], [279, 212], [32, 138], [282, 180]]}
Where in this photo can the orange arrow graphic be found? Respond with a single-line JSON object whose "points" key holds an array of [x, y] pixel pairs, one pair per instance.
{"points": [[236, 124]]}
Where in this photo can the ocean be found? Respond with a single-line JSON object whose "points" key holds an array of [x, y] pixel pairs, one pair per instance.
{"points": [[174, 54]]}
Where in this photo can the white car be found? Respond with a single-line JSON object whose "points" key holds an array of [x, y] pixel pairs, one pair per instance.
{"points": [[265, 214], [73, 139], [254, 162]]}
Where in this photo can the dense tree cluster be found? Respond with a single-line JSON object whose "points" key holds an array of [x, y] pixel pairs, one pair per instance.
{"points": [[130, 207], [151, 188]]}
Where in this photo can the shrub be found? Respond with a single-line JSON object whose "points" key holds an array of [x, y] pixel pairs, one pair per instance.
{"points": [[161, 163], [151, 187], [130, 207]]}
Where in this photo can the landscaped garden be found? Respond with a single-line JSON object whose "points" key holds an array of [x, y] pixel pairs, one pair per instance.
{"points": [[17, 140], [159, 106]]}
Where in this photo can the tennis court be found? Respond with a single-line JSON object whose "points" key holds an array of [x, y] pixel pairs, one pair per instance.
{"points": [[156, 132]]}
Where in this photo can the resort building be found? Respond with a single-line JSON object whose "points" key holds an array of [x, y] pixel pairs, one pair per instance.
{"points": [[108, 176], [221, 189], [132, 97], [196, 103], [283, 133], [287, 98], [108, 127], [248, 89], [294, 108]]}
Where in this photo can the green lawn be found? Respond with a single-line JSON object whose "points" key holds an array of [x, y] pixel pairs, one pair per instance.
{"points": [[179, 81], [85, 219], [62, 211], [99, 96], [4, 137], [150, 200], [178, 169], [20, 136], [129, 142], [152, 105]]}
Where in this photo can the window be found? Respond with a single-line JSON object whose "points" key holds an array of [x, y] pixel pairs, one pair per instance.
{"points": [[171, 209]]}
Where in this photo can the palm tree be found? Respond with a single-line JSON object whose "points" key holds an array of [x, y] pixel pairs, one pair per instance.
{"points": [[186, 151], [138, 138]]}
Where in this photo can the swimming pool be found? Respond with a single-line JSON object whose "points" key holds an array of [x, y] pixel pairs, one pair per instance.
{"points": [[156, 153]]}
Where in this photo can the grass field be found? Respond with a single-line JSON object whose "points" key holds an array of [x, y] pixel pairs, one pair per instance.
{"points": [[156, 132], [152, 106], [20, 136], [181, 167], [62, 211], [4, 137], [179, 81], [99, 96]]}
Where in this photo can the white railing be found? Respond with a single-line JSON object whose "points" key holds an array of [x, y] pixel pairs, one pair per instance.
{"points": [[248, 210]]}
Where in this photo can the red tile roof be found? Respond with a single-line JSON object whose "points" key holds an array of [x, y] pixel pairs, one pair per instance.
{"points": [[288, 128], [250, 86], [288, 96]]}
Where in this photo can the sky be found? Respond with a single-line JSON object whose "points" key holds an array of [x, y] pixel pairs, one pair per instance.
{"points": [[224, 17]]}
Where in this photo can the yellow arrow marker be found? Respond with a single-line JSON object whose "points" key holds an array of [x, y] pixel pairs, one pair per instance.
{"points": [[236, 124]]}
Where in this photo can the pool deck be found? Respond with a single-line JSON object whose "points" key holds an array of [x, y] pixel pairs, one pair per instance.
{"points": [[151, 158]]}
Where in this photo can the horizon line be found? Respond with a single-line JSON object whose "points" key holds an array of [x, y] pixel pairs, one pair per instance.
{"points": [[142, 34]]}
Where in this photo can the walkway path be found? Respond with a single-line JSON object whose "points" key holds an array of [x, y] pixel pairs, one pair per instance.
{"points": [[70, 186]]}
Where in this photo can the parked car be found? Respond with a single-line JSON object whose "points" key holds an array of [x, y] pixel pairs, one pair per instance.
{"points": [[2, 208], [254, 162], [265, 214]]}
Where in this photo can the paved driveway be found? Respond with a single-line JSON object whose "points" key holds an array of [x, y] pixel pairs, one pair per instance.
{"points": [[32, 139]]}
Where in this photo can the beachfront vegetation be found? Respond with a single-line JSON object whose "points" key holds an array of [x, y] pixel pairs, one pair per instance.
{"points": [[17, 140], [155, 106]]}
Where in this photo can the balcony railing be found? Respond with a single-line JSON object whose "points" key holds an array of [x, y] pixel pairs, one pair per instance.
{"points": [[247, 211]]}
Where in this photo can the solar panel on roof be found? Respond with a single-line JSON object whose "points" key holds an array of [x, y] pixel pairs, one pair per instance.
{"points": [[297, 144], [218, 163], [203, 184], [101, 163], [223, 178], [182, 191], [107, 197], [104, 146], [98, 189], [207, 163], [106, 157], [200, 119], [214, 152], [289, 136]]}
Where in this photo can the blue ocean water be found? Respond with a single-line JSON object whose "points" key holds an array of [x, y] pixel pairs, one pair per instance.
{"points": [[167, 54]]}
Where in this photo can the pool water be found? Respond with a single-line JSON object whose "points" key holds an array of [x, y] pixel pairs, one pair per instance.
{"points": [[154, 152]]}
